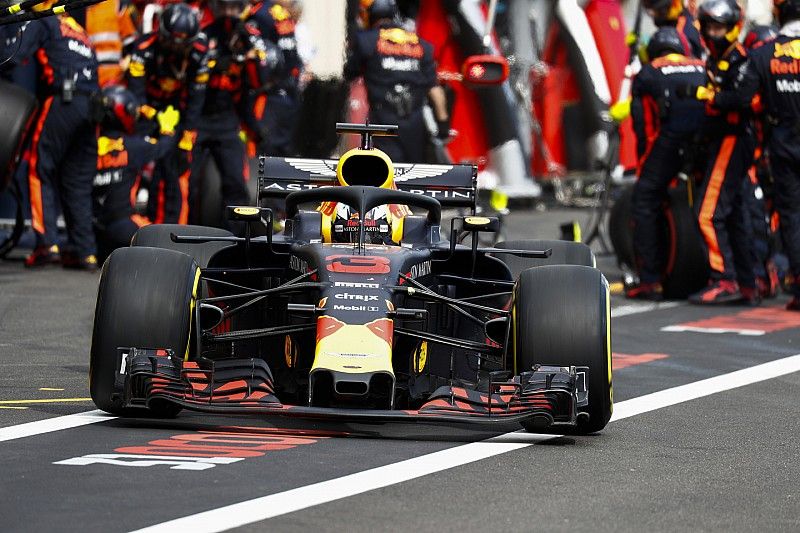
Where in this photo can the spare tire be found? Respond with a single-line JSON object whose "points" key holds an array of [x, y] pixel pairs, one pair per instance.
{"points": [[17, 107], [686, 268]]}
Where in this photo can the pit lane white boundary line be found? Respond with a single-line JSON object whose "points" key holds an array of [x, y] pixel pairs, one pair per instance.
{"points": [[50, 425], [282, 503]]}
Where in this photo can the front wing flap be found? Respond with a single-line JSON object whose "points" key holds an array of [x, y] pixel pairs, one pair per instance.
{"points": [[548, 395]]}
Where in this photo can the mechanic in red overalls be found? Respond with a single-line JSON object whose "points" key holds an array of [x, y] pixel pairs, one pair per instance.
{"points": [[170, 67]]}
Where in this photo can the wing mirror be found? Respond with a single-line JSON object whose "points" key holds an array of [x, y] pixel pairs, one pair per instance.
{"points": [[485, 70]]}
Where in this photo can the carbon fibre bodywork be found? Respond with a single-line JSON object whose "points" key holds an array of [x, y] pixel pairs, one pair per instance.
{"points": [[295, 325]]}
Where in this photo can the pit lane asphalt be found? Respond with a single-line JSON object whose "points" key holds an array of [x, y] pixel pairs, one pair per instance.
{"points": [[722, 462]]}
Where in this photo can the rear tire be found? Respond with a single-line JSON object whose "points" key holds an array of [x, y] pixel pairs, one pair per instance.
{"points": [[158, 236], [144, 300], [563, 253], [562, 318]]}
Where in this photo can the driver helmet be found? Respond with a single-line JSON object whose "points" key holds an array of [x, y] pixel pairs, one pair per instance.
{"points": [[382, 223], [377, 225]]}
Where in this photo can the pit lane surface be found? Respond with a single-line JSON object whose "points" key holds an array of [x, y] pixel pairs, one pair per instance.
{"points": [[724, 461]]}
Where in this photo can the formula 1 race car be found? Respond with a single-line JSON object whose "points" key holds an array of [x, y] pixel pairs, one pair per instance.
{"points": [[419, 328]]}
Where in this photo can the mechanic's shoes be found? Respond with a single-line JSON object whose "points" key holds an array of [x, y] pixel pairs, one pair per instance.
{"points": [[43, 255], [718, 292], [768, 287], [652, 292], [87, 263], [794, 304], [750, 296]]}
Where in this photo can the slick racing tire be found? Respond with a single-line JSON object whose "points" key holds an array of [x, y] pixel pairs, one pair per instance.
{"points": [[620, 229], [561, 317], [563, 253], [17, 108], [145, 300], [686, 269], [158, 236], [10, 238]]}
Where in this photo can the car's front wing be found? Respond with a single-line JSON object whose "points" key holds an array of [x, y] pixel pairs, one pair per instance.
{"points": [[545, 396]]}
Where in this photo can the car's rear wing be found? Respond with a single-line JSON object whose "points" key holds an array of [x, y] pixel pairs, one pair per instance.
{"points": [[452, 185]]}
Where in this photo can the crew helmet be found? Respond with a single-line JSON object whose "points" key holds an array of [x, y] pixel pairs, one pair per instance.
{"points": [[178, 25], [724, 12], [119, 108], [665, 41]]}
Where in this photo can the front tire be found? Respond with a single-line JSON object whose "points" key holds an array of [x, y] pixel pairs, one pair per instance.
{"points": [[145, 300], [158, 236], [563, 253], [561, 317]]}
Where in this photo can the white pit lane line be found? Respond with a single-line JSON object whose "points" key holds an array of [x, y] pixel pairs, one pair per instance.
{"points": [[50, 425], [282, 503]]}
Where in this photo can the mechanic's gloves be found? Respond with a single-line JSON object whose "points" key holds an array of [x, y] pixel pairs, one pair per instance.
{"points": [[187, 140], [696, 92], [620, 110], [167, 120], [704, 93], [443, 129], [147, 112]]}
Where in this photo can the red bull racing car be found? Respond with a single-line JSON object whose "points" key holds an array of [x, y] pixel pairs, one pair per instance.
{"points": [[326, 321]]}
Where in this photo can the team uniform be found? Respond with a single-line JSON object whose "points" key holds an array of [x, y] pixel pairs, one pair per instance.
{"points": [[63, 148], [688, 29], [120, 158], [240, 68], [672, 13], [399, 71], [162, 78], [774, 71], [722, 211], [278, 116], [665, 126], [722, 214]]}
